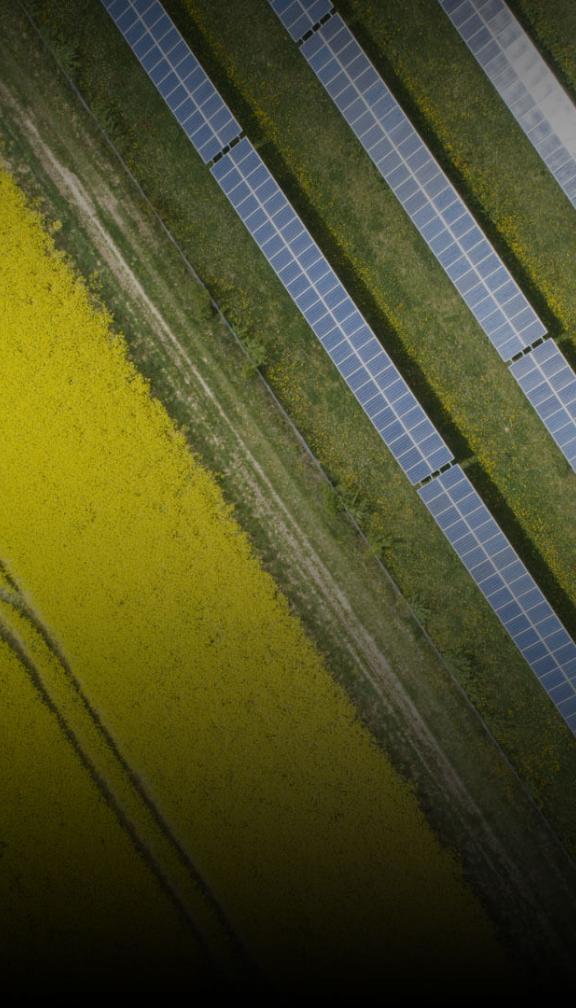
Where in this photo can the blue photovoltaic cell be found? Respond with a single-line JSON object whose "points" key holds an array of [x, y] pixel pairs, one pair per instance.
{"points": [[523, 80], [343, 332], [299, 16], [177, 74], [422, 188], [506, 584], [549, 383]]}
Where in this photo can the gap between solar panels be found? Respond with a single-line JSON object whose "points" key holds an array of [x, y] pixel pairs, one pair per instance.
{"points": [[352, 346], [437, 211]]}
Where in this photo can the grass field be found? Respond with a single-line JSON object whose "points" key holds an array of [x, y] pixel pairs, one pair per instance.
{"points": [[190, 656]]}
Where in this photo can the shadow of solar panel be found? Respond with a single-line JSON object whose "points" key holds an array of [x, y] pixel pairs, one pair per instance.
{"points": [[506, 584], [422, 188], [327, 307], [299, 16], [549, 383], [523, 80], [176, 73]]}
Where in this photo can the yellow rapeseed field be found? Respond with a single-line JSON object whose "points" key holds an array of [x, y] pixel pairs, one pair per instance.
{"points": [[125, 550], [76, 904]]}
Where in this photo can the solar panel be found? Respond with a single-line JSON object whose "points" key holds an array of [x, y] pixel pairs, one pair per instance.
{"points": [[549, 383], [506, 584], [300, 16], [329, 310], [422, 188], [176, 73], [523, 80]]}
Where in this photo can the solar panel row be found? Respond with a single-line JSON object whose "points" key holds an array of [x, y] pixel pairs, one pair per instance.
{"points": [[328, 308], [430, 200], [352, 346], [422, 188], [549, 383], [506, 584], [396, 414], [523, 80], [300, 16], [177, 74]]}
